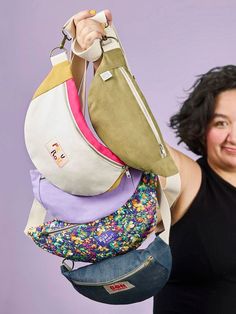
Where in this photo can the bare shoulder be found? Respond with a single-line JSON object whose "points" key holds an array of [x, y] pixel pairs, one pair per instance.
{"points": [[190, 175]]}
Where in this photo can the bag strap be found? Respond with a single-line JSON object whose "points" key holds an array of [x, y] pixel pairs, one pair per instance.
{"points": [[95, 51], [82, 87], [169, 195], [36, 216]]}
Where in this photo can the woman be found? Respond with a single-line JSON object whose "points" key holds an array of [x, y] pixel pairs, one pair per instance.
{"points": [[203, 236], [203, 278]]}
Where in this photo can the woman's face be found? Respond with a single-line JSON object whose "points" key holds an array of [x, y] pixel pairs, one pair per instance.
{"points": [[221, 133]]}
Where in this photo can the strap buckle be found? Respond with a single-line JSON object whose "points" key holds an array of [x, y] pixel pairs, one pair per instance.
{"points": [[66, 37]]}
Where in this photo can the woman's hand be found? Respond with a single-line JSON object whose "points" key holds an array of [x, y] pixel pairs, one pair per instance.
{"points": [[87, 30]]}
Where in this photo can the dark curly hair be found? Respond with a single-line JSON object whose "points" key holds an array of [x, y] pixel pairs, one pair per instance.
{"points": [[191, 122]]}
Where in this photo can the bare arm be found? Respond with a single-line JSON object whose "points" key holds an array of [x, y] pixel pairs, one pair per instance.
{"points": [[190, 175]]}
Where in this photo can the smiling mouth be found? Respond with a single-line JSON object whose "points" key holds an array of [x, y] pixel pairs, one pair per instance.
{"points": [[231, 150]]}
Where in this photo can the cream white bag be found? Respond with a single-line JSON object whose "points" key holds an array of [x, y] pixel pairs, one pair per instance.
{"points": [[59, 141]]}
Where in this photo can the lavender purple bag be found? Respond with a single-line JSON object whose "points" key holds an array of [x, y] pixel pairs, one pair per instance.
{"points": [[82, 209]]}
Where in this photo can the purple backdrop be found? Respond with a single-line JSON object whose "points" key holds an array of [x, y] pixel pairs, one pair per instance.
{"points": [[167, 44]]}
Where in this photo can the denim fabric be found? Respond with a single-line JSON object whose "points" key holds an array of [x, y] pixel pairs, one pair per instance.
{"points": [[129, 278]]}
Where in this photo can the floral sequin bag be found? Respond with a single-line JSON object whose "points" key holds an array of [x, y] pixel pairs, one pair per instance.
{"points": [[120, 232]]}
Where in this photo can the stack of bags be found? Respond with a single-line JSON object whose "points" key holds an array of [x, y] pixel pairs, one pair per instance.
{"points": [[103, 195]]}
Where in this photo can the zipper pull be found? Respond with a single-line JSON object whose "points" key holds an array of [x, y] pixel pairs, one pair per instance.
{"points": [[128, 175], [162, 151], [148, 260]]}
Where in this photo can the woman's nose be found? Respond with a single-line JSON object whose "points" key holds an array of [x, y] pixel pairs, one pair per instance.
{"points": [[232, 134]]}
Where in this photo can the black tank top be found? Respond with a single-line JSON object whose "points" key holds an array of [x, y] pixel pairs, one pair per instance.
{"points": [[203, 245]]}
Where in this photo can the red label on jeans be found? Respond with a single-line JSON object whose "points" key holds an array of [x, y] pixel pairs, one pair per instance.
{"points": [[118, 287]]}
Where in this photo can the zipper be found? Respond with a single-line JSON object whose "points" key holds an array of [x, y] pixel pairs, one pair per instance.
{"points": [[121, 278], [114, 163], [144, 110], [46, 233]]}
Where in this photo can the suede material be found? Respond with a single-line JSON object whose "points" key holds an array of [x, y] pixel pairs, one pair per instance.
{"points": [[119, 121], [59, 74]]}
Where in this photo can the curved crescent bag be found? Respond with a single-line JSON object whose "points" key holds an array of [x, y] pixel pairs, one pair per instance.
{"points": [[59, 141], [82, 209], [119, 111], [136, 275], [125, 279]]}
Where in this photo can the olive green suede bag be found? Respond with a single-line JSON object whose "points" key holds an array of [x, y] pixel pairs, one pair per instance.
{"points": [[123, 120], [118, 110]]}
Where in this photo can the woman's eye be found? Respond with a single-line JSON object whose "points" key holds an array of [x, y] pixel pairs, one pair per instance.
{"points": [[221, 124]]}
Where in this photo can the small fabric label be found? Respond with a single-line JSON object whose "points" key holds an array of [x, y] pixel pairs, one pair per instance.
{"points": [[57, 153], [106, 42], [118, 287], [106, 237], [106, 75]]}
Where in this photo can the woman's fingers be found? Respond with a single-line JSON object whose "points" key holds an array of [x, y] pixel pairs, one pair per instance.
{"points": [[87, 25], [87, 30], [83, 15], [88, 40], [90, 13], [108, 16]]}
